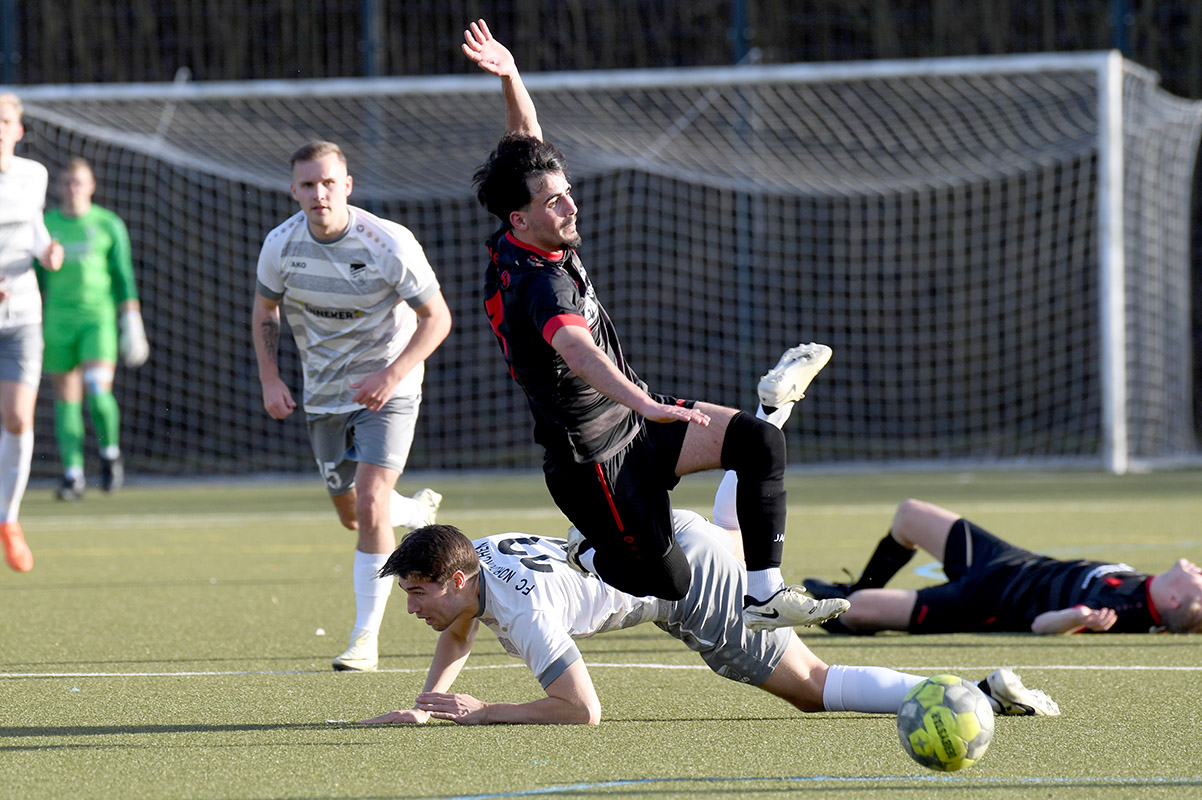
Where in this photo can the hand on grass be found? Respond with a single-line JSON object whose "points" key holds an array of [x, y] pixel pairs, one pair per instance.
{"points": [[410, 716], [462, 709]]}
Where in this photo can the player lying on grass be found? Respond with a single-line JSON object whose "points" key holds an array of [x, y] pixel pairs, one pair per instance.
{"points": [[996, 586], [523, 588]]}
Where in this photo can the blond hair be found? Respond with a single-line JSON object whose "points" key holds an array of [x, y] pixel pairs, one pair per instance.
{"points": [[315, 150], [77, 164], [10, 99]]}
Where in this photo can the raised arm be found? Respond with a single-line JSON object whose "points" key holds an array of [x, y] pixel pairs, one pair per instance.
{"points": [[493, 57]]}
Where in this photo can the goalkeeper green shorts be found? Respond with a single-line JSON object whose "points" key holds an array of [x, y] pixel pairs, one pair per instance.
{"points": [[72, 340]]}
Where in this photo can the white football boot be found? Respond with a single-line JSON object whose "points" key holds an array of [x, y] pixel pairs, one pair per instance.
{"points": [[1007, 693], [788, 380], [361, 656], [430, 501], [788, 608]]}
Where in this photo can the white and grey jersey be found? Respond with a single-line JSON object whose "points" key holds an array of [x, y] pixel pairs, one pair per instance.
{"points": [[537, 605], [23, 237], [342, 300]]}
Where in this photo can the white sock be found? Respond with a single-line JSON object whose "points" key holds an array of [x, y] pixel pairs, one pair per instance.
{"points": [[778, 417], [873, 690], [371, 593], [110, 452], [725, 515], [586, 559], [16, 452], [763, 583], [404, 512]]}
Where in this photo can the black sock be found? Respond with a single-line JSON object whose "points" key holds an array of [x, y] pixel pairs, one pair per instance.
{"points": [[889, 557], [755, 450]]}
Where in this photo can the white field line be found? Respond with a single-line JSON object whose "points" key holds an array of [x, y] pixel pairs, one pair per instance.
{"points": [[219, 519], [919, 669], [885, 781]]}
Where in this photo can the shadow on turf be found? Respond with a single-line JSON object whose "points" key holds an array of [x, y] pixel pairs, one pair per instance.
{"points": [[320, 658], [40, 731], [180, 583]]}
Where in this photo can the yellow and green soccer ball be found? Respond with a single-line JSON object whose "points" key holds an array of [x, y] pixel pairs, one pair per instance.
{"points": [[945, 723]]}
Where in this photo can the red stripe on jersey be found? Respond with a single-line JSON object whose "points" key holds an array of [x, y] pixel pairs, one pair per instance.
{"points": [[547, 254], [495, 308], [609, 498], [922, 614], [1152, 606], [561, 321]]}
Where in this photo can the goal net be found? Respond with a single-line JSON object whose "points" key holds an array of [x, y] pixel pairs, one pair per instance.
{"points": [[997, 249]]}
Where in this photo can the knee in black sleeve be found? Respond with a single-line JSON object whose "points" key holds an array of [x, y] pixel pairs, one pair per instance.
{"points": [[667, 577], [754, 447]]}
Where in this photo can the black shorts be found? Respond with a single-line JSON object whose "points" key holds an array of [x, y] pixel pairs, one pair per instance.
{"points": [[621, 505], [979, 566]]}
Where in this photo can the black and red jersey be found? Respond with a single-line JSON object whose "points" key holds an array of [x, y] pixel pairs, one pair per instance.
{"points": [[1010, 592], [1049, 584], [1005, 587], [529, 295]]}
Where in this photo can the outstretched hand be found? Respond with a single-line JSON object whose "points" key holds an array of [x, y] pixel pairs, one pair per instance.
{"points": [[489, 54]]}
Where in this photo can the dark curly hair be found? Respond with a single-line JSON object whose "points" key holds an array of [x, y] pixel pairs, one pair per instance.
{"points": [[502, 181], [432, 553]]}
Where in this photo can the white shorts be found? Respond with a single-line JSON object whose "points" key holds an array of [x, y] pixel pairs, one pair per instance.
{"points": [[341, 441], [709, 619], [21, 354]]}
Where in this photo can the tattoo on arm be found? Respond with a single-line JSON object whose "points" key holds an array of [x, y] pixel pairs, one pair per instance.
{"points": [[270, 331]]}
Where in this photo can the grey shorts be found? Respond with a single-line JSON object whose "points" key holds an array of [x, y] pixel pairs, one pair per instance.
{"points": [[21, 354], [709, 619], [341, 441]]}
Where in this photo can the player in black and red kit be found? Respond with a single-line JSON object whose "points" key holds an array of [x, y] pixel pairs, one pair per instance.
{"points": [[613, 451], [996, 586]]}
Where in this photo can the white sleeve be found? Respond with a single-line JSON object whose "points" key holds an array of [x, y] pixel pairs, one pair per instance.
{"points": [[544, 645], [415, 279], [41, 235], [41, 238], [268, 272]]}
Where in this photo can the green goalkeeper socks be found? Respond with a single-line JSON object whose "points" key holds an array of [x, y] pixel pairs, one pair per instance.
{"points": [[106, 418], [68, 430]]}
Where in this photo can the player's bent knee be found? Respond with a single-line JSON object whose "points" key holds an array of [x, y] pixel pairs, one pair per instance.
{"points": [[754, 446], [99, 378]]}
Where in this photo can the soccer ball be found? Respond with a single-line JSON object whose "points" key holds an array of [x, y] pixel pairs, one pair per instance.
{"points": [[945, 723]]}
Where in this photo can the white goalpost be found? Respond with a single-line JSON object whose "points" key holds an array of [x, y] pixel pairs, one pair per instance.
{"points": [[997, 248]]}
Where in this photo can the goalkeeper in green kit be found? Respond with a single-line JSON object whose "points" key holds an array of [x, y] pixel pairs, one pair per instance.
{"points": [[92, 315]]}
